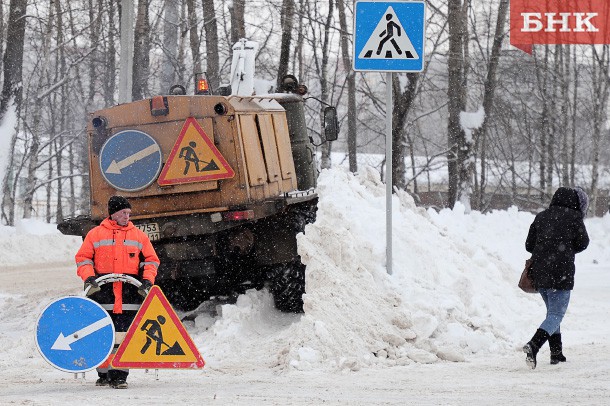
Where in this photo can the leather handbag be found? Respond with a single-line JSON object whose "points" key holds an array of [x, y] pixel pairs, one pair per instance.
{"points": [[525, 282]]}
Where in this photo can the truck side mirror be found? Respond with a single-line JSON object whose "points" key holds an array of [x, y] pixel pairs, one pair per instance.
{"points": [[331, 127]]}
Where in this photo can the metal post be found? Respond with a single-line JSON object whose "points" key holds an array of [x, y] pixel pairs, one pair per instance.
{"points": [[388, 174], [126, 63]]}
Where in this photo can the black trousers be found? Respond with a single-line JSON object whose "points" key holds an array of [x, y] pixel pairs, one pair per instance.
{"points": [[121, 323]]}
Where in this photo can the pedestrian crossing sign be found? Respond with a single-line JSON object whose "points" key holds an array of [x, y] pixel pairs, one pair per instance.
{"points": [[389, 36], [194, 158], [157, 339]]}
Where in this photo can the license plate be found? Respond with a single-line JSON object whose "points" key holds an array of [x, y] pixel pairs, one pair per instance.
{"points": [[151, 229]]}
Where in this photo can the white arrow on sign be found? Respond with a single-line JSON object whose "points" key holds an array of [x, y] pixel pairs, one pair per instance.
{"points": [[115, 167], [63, 342]]}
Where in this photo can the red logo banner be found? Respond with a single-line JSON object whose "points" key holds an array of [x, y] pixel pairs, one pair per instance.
{"points": [[559, 22]]}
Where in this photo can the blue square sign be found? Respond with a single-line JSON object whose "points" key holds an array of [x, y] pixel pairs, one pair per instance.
{"points": [[389, 36]]}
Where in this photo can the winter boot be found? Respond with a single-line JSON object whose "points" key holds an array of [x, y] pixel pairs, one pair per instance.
{"points": [[102, 380], [556, 349], [531, 349]]}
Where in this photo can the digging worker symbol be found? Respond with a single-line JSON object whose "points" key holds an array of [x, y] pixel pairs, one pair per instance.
{"points": [[389, 34], [153, 332], [189, 155]]}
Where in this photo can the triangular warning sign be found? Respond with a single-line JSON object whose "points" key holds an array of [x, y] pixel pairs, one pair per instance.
{"points": [[157, 339], [194, 158], [389, 40]]}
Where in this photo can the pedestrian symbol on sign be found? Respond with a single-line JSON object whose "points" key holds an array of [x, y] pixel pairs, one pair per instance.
{"points": [[389, 40]]}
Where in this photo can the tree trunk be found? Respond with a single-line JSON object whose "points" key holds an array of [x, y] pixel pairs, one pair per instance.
{"points": [[32, 155], [210, 25], [170, 45], [323, 72], [238, 24], [110, 73], [13, 56], [286, 20], [194, 40], [141, 58], [1, 30], [601, 70], [403, 101], [352, 136], [575, 120], [456, 103], [542, 77], [63, 111], [489, 97], [94, 34]]}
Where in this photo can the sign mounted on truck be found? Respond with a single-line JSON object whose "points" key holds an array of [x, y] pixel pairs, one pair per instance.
{"points": [[194, 158], [130, 160]]}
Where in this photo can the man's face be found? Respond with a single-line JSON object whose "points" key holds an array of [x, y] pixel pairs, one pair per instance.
{"points": [[121, 217]]}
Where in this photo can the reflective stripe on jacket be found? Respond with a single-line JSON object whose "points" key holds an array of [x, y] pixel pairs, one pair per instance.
{"points": [[111, 248]]}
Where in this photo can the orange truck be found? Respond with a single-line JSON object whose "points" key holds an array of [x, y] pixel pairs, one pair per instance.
{"points": [[221, 184]]}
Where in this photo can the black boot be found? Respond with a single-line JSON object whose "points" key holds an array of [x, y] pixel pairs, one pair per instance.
{"points": [[531, 349], [556, 349]]}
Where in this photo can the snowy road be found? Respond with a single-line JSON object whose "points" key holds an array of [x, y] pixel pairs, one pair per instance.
{"points": [[25, 378], [366, 338]]}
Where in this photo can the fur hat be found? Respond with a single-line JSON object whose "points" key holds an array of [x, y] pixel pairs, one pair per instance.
{"points": [[117, 203]]}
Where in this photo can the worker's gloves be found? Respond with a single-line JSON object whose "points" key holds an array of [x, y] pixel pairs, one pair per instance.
{"points": [[92, 284], [145, 287]]}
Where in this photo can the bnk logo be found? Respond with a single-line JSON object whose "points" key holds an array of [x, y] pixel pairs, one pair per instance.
{"points": [[559, 22]]}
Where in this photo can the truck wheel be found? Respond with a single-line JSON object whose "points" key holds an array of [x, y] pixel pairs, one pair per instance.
{"points": [[287, 284], [184, 295]]}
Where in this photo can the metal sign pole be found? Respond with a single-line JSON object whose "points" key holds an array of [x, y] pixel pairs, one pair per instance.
{"points": [[388, 174], [126, 62], [389, 37]]}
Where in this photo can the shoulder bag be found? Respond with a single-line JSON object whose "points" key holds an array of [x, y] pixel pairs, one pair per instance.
{"points": [[525, 282]]}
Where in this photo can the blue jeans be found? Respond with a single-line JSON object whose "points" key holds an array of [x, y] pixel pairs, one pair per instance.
{"points": [[556, 302]]}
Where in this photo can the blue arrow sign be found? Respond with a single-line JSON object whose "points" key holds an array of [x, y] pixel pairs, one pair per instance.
{"points": [[389, 36], [130, 160], [74, 334]]}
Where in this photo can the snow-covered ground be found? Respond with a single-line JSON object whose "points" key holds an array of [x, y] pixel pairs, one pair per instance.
{"points": [[445, 328]]}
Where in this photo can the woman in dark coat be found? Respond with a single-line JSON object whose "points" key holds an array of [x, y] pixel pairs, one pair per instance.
{"points": [[555, 236]]}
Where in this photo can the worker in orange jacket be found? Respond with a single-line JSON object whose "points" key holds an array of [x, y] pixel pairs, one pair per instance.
{"points": [[117, 246]]}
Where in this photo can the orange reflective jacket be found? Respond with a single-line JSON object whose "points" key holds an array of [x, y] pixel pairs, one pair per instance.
{"points": [[111, 248]]}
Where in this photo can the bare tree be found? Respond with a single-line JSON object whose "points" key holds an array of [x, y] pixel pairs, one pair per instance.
{"points": [[141, 57], [287, 17], [489, 97], [13, 56], [109, 84], [459, 148], [403, 101], [237, 9], [351, 89], [321, 35], [212, 58], [601, 70], [170, 44]]}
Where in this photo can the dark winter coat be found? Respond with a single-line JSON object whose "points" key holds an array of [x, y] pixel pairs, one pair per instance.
{"points": [[555, 236]]}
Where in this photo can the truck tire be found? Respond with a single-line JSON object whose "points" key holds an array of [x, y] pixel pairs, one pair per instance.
{"points": [[287, 284]]}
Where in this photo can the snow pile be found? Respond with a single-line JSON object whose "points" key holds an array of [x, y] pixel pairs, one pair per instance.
{"points": [[446, 306], [452, 295], [32, 241]]}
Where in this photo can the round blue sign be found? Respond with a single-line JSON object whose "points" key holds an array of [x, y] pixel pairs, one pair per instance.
{"points": [[74, 334], [130, 160]]}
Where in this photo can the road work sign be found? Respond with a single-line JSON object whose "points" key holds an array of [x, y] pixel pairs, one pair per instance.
{"points": [[194, 158], [389, 36], [130, 160], [74, 334], [157, 339]]}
